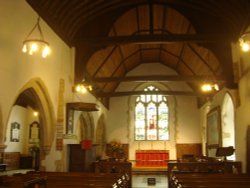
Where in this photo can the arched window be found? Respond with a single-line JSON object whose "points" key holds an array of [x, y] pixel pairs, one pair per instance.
{"points": [[151, 117]]}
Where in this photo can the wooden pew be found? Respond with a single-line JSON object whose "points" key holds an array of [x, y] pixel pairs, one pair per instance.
{"points": [[65, 180], [80, 179], [111, 167], [205, 167], [206, 180], [23, 181]]}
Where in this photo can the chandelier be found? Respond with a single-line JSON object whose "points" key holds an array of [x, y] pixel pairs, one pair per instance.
{"points": [[83, 87], [36, 45]]}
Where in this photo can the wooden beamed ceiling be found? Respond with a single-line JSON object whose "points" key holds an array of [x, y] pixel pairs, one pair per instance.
{"points": [[154, 39], [163, 78], [112, 38]]}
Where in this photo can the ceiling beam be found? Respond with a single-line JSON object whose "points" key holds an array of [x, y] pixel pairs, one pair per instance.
{"points": [[137, 93], [153, 38], [159, 78]]}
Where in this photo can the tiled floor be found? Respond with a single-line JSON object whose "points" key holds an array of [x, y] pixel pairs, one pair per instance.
{"points": [[141, 181]]}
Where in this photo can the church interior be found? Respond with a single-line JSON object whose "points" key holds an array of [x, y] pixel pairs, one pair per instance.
{"points": [[125, 93]]}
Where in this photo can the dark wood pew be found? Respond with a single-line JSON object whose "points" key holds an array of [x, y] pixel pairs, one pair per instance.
{"points": [[107, 166], [206, 180], [23, 181], [65, 180], [81, 179], [204, 167]]}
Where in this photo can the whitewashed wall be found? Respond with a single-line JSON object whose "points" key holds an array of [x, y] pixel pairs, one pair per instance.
{"points": [[184, 122], [17, 19], [241, 100]]}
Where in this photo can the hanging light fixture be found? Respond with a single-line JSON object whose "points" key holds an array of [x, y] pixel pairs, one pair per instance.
{"points": [[36, 45], [82, 87], [244, 41], [208, 87]]}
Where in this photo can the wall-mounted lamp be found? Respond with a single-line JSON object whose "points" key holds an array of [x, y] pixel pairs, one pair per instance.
{"points": [[37, 44], [244, 41], [35, 113], [210, 87]]}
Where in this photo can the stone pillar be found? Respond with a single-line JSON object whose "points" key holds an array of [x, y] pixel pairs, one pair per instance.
{"points": [[60, 117]]}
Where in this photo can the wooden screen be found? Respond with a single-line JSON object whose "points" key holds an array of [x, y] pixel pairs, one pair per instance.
{"points": [[190, 149]]}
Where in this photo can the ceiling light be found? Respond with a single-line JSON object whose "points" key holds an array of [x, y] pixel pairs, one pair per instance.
{"points": [[37, 44]]}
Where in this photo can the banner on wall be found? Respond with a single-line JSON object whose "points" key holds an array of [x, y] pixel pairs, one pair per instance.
{"points": [[86, 144]]}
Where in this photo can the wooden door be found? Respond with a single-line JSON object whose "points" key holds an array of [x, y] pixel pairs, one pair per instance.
{"points": [[248, 149], [76, 158], [81, 160]]}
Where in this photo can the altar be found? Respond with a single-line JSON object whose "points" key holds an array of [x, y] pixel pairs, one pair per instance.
{"points": [[152, 158]]}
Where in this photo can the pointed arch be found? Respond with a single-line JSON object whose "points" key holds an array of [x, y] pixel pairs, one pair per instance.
{"points": [[34, 94], [86, 123], [101, 136]]}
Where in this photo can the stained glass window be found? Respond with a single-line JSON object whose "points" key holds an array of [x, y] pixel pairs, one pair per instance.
{"points": [[151, 117]]}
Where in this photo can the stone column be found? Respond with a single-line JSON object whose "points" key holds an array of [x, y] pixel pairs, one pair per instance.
{"points": [[60, 117]]}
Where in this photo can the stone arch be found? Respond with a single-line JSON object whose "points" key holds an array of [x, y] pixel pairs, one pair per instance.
{"points": [[101, 136], [35, 94], [86, 126]]}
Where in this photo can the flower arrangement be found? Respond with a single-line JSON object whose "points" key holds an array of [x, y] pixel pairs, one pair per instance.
{"points": [[116, 149]]}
